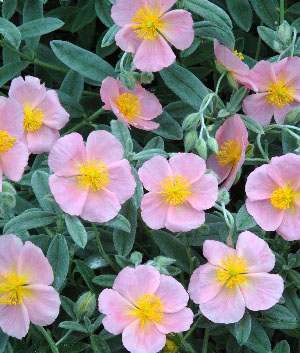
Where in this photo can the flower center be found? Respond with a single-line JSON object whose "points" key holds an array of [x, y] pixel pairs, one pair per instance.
{"points": [[12, 289], [6, 141], [149, 308], [229, 154], [93, 175], [146, 23], [33, 119], [176, 189], [231, 271], [239, 55], [128, 105], [283, 198], [281, 94]]}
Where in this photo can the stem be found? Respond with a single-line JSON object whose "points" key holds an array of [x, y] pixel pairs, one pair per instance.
{"points": [[258, 48], [84, 122], [193, 328], [205, 341], [64, 337], [48, 338], [219, 82], [188, 251], [101, 250], [255, 160], [261, 149], [281, 11]]}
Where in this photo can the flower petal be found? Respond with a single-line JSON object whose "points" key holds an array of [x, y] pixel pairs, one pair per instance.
{"points": [[215, 251], [256, 106], [204, 192], [154, 210], [263, 74], [42, 140], [188, 165], [143, 124], [11, 118], [163, 5], [127, 39], [123, 11], [109, 90], [10, 249], [179, 321], [289, 228], [14, 320]]}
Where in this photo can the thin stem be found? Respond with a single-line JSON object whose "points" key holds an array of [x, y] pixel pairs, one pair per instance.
{"points": [[188, 251], [205, 341], [101, 250], [84, 122], [258, 49], [263, 153], [255, 160], [219, 82], [48, 338], [64, 337], [193, 328], [281, 11]]}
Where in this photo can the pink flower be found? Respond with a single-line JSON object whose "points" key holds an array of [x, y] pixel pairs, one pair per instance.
{"points": [[25, 291], [144, 306], [44, 115], [273, 192], [278, 90], [235, 278], [145, 29], [90, 181], [232, 138], [136, 108], [180, 191], [13, 151], [232, 62]]}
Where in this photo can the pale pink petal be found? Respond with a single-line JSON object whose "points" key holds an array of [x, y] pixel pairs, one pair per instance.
{"points": [[177, 28], [135, 283], [260, 185], [188, 165], [127, 39], [245, 80], [118, 114], [265, 214], [256, 252], [256, 106], [221, 171], [150, 105], [263, 74], [175, 322], [103, 147], [55, 116], [261, 291], [67, 192], [154, 55], [14, 320], [147, 125], [227, 307], [203, 284], [123, 11], [233, 172], [33, 263], [67, 154], [42, 139], [11, 118], [183, 218], [280, 113], [154, 172], [154, 210], [215, 251], [172, 294], [163, 5], [29, 92], [100, 206], [42, 304], [146, 339], [289, 228], [10, 249], [117, 310], [204, 192], [14, 161], [109, 90], [288, 69]]}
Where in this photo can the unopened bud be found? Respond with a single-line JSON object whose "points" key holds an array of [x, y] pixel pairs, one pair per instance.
{"points": [[85, 305], [249, 151], [7, 187], [127, 79], [191, 122], [190, 140], [232, 81], [213, 145], [292, 116], [285, 32], [224, 196], [170, 347], [138, 77], [201, 148], [136, 258], [147, 77]]}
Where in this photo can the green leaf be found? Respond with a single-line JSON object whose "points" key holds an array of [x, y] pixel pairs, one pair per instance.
{"points": [[266, 11], [236, 99], [210, 12], [169, 128], [75, 347], [252, 125], [72, 85], [109, 37], [68, 306], [85, 15], [121, 132], [258, 340], [206, 29], [243, 220], [29, 219], [86, 273], [70, 104], [99, 345], [292, 302], [103, 10], [58, 256], [241, 12], [106, 281], [147, 154], [282, 347], [271, 38], [71, 325], [10, 32], [76, 230], [295, 8], [123, 241], [242, 329], [279, 317], [119, 222], [3, 341], [10, 71], [39, 27], [8, 10], [82, 61], [185, 85], [33, 10]]}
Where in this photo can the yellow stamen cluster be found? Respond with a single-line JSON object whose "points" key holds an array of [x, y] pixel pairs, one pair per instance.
{"points": [[229, 154], [175, 189], [239, 55], [93, 175], [12, 289], [146, 23], [283, 199], [281, 94], [33, 119], [6, 141], [149, 308], [128, 105], [231, 271]]}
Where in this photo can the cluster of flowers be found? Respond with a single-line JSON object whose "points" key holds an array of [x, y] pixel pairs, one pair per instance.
{"points": [[92, 180]]}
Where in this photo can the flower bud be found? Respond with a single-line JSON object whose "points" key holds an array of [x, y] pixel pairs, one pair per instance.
{"points": [[191, 122], [285, 32], [127, 79], [224, 196], [213, 145], [147, 77], [292, 117], [136, 258], [249, 151], [232, 81], [201, 148], [138, 77], [85, 305], [190, 140], [170, 347]]}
